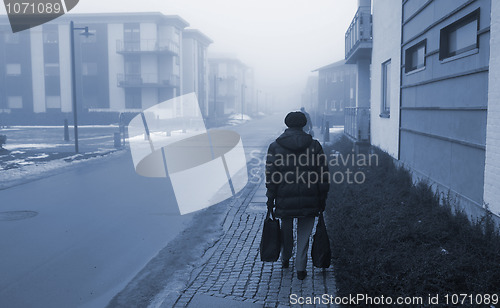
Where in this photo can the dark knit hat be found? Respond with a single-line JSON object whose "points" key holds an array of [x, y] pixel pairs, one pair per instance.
{"points": [[295, 119]]}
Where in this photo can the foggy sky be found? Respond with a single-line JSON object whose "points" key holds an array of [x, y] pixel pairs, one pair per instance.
{"points": [[283, 40]]}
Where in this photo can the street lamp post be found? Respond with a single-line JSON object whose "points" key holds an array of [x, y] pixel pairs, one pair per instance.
{"points": [[257, 101], [243, 87], [86, 33], [215, 96]]}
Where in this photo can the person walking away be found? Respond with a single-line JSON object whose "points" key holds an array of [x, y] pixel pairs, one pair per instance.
{"points": [[308, 127], [297, 182]]}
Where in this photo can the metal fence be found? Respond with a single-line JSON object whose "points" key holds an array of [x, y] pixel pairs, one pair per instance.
{"points": [[151, 45], [359, 30], [139, 80]]}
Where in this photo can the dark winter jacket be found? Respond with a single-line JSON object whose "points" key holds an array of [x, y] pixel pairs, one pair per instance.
{"points": [[297, 175]]}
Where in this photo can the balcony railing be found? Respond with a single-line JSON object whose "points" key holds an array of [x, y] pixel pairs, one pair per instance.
{"points": [[147, 46], [358, 37], [148, 80], [357, 123]]}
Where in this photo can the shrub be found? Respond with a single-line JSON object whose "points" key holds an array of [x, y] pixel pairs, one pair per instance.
{"points": [[394, 238]]}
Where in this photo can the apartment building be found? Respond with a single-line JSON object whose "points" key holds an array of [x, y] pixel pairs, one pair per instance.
{"points": [[336, 91], [228, 86], [130, 62], [433, 98]]}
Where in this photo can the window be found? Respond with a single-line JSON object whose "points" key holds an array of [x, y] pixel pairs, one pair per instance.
{"points": [[132, 37], [133, 65], [460, 36], [15, 102], [13, 69], [131, 32], [133, 99], [89, 69], [177, 35], [415, 57], [50, 34], [385, 108], [11, 38], [51, 69], [53, 102]]}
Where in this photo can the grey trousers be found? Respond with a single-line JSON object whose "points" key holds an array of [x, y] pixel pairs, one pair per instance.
{"points": [[304, 229]]}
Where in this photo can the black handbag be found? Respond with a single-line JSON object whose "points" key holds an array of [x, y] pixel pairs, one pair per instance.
{"points": [[270, 244], [320, 252]]}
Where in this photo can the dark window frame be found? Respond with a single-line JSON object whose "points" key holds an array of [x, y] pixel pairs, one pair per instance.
{"points": [[385, 103], [133, 98], [409, 65], [444, 33]]}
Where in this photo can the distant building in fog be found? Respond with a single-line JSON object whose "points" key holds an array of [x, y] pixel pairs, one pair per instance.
{"points": [[131, 62], [228, 87], [336, 91], [195, 66]]}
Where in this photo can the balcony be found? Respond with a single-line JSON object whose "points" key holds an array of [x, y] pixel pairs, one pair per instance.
{"points": [[147, 46], [147, 81], [357, 123], [358, 38]]}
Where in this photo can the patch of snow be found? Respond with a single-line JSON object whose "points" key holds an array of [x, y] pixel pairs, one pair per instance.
{"points": [[40, 156], [17, 152], [239, 116], [20, 162], [28, 171], [8, 129], [35, 146], [96, 138], [60, 126], [337, 129]]}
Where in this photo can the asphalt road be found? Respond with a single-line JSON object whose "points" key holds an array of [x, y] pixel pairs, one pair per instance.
{"points": [[94, 228]]}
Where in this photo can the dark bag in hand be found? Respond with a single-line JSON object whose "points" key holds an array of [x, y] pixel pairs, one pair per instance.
{"points": [[320, 252], [270, 244]]}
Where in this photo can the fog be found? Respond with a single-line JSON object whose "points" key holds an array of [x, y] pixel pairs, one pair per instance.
{"points": [[282, 40]]}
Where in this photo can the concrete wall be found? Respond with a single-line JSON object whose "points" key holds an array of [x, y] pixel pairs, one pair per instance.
{"points": [[443, 104], [189, 75], [37, 69], [492, 169], [386, 46], [64, 64], [116, 66]]}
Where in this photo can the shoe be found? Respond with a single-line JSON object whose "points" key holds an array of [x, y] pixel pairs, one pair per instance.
{"points": [[301, 275], [285, 263]]}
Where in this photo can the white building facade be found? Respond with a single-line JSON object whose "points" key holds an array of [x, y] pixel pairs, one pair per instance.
{"points": [[195, 66], [492, 166], [385, 76]]}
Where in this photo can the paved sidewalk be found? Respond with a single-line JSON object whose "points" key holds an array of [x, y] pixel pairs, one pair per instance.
{"points": [[231, 273]]}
